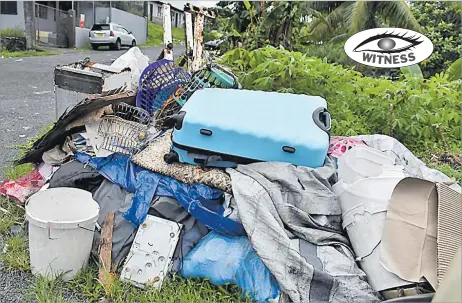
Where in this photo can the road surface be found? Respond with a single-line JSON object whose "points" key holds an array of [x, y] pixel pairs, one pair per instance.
{"points": [[26, 94]]}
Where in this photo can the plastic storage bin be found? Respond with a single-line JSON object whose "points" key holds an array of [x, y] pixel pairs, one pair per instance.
{"points": [[362, 162]]}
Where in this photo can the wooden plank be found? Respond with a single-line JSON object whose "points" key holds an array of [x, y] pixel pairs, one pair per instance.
{"points": [[198, 39], [105, 249]]}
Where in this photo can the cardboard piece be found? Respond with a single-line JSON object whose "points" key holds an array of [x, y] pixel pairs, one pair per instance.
{"points": [[449, 230], [409, 239]]}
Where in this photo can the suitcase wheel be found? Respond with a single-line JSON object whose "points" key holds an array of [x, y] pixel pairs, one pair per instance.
{"points": [[171, 157]]}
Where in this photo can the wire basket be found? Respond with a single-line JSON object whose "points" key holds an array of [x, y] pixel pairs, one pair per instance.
{"points": [[157, 76], [132, 113], [210, 76], [122, 136], [168, 109]]}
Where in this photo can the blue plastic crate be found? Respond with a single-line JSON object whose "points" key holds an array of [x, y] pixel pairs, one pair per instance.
{"points": [[156, 77]]}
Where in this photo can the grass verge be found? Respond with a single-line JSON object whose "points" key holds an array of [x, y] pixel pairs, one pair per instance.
{"points": [[31, 53], [12, 32], [156, 35]]}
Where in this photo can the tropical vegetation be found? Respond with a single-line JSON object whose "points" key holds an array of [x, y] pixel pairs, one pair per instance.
{"points": [[423, 114], [320, 28]]}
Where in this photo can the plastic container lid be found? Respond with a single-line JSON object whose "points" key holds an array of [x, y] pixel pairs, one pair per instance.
{"points": [[62, 208]]}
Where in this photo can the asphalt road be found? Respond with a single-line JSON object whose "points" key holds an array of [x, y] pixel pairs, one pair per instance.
{"points": [[26, 94]]}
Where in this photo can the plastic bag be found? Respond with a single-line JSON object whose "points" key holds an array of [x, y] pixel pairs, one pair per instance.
{"points": [[136, 61], [22, 188], [226, 259]]}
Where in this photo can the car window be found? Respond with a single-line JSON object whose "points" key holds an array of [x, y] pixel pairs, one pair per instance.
{"points": [[100, 27], [125, 30]]}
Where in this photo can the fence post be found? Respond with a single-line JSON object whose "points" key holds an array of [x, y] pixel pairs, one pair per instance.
{"points": [[198, 39], [167, 23], [189, 39], [71, 28]]}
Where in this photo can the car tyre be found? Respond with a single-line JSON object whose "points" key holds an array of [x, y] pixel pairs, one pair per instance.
{"points": [[94, 46], [117, 45], [133, 43]]}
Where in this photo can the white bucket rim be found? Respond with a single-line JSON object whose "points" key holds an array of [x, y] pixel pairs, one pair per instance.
{"points": [[60, 224]]}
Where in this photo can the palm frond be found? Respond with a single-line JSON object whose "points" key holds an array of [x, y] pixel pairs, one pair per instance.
{"points": [[399, 13], [338, 38], [457, 5], [357, 15], [325, 27]]}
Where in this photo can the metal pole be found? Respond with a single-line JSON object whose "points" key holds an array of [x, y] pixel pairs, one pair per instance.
{"points": [[110, 11], [94, 13], [146, 14]]}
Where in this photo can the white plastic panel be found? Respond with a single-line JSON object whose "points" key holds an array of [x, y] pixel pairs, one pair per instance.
{"points": [[150, 257]]}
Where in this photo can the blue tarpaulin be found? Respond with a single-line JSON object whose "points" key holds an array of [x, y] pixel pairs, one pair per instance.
{"points": [[225, 259], [199, 200]]}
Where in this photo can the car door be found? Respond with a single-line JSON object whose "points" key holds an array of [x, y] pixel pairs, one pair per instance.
{"points": [[119, 34], [128, 36]]}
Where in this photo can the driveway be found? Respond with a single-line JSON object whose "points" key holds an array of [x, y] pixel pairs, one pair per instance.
{"points": [[26, 94]]}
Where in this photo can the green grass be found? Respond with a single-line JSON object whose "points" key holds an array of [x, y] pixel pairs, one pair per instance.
{"points": [[30, 53], [156, 35], [174, 289], [12, 32], [84, 48], [44, 290]]}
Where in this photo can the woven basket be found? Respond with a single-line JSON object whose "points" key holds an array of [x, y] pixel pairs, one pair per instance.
{"points": [[152, 158]]}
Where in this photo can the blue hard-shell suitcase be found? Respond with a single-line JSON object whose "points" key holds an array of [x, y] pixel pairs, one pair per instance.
{"points": [[224, 127]]}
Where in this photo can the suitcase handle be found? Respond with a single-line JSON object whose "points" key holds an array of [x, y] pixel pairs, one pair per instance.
{"points": [[321, 118], [213, 161]]}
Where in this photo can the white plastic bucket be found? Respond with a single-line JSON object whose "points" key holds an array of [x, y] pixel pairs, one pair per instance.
{"points": [[61, 227], [362, 162]]}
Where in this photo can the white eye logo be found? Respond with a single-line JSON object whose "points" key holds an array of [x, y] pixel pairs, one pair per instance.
{"points": [[388, 47]]}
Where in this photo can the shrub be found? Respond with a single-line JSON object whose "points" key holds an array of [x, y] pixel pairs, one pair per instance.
{"points": [[11, 32], [422, 114]]}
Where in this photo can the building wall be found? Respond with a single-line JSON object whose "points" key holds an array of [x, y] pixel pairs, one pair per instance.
{"points": [[48, 24], [86, 9], [131, 22], [13, 21], [81, 37], [136, 24], [156, 17]]}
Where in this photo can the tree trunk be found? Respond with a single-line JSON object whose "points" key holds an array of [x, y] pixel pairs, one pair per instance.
{"points": [[29, 20]]}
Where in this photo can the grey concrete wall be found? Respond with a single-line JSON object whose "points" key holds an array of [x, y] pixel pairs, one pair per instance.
{"points": [[12, 21], [86, 9], [48, 24], [101, 14], [133, 23], [81, 37]]}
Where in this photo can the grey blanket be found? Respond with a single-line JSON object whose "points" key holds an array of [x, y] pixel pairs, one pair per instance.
{"points": [[293, 221]]}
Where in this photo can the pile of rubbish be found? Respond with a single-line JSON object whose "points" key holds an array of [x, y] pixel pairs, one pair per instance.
{"points": [[164, 172]]}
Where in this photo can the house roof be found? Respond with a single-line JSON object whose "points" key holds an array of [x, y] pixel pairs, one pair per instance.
{"points": [[175, 5], [179, 5]]}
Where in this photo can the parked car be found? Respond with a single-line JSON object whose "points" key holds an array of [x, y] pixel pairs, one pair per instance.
{"points": [[110, 34]]}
